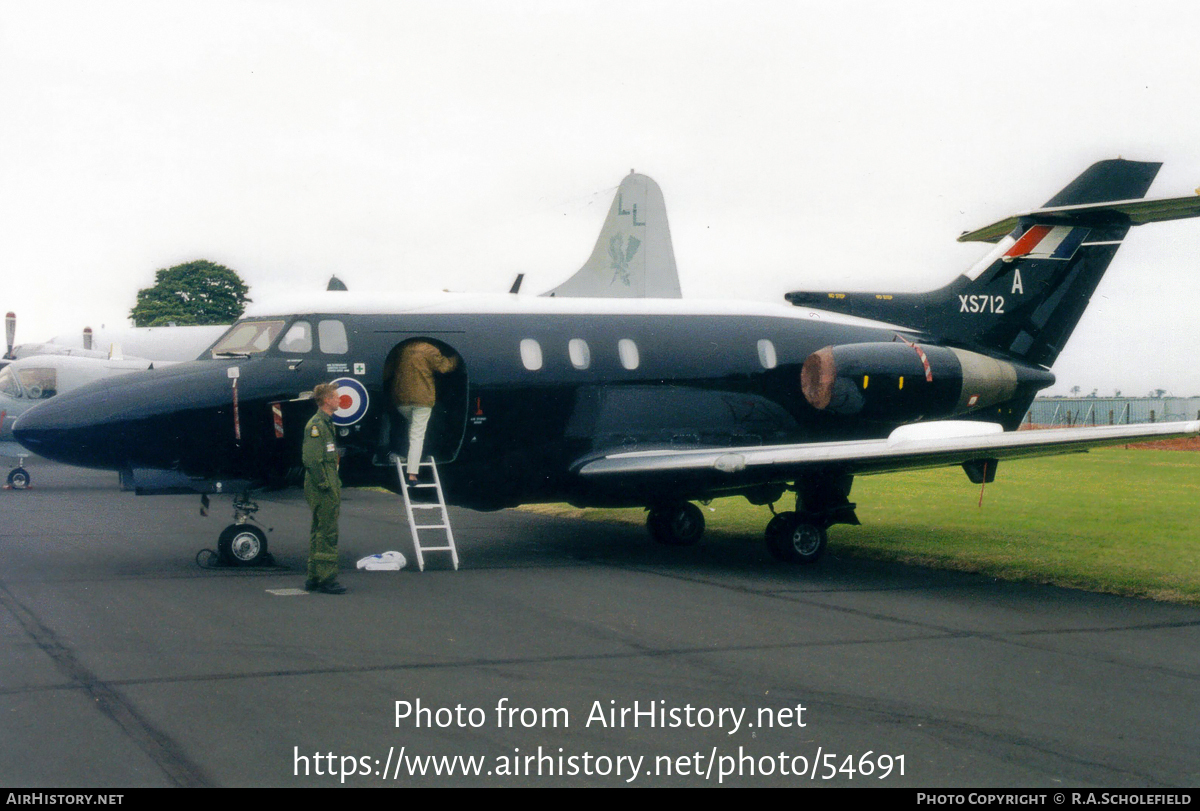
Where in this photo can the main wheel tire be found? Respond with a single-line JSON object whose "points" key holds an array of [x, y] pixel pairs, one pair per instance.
{"points": [[677, 525], [656, 525], [793, 540], [18, 478], [242, 545], [776, 536]]}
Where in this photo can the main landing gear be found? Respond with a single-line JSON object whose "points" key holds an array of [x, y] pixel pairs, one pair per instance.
{"points": [[796, 536], [800, 536], [678, 524], [792, 539]]}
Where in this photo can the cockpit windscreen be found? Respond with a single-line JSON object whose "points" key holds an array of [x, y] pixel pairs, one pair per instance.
{"points": [[248, 338]]}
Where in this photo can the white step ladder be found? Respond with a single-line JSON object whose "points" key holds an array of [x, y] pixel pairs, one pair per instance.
{"points": [[410, 507]]}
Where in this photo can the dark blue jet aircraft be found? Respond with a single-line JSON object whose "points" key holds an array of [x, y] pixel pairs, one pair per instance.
{"points": [[653, 402]]}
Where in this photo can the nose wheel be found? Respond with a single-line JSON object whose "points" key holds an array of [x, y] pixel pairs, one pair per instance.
{"points": [[679, 524], [242, 545], [792, 539]]}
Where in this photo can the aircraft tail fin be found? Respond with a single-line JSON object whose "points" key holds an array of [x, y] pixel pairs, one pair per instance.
{"points": [[633, 257], [1025, 297]]}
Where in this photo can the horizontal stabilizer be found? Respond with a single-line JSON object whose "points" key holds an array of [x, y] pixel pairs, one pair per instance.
{"points": [[1135, 212]]}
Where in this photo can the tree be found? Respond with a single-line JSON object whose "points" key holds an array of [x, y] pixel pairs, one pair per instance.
{"points": [[198, 292]]}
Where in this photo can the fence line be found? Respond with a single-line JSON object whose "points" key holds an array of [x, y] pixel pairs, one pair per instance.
{"points": [[1060, 411]]}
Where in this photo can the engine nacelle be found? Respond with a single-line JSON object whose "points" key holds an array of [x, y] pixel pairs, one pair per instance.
{"points": [[901, 382]]}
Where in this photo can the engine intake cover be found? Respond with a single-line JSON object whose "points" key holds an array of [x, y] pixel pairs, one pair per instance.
{"points": [[903, 382]]}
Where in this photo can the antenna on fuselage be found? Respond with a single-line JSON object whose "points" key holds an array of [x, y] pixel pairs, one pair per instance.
{"points": [[517, 284]]}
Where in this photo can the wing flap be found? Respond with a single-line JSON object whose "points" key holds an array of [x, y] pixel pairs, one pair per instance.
{"points": [[903, 451]]}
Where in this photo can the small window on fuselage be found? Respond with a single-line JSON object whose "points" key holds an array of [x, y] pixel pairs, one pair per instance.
{"points": [[297, 339], [581, 355], [628, 352], [531, 354], [766, 354], [332, 335]]}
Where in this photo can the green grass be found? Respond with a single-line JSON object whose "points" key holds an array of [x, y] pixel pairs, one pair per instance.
{"points": [[1113, 520]]}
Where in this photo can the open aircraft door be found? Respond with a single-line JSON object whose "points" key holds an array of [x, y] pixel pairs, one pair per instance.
{"points": [[448, 423]]}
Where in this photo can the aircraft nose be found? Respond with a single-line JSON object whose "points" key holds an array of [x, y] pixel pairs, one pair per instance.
{"points": [[60, 430], [151, 419]]}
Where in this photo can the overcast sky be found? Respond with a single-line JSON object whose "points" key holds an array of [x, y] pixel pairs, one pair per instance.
{"points": [[430, 145]]}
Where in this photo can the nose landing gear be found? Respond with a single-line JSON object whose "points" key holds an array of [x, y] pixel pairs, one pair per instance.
{"points": [[242, 543]]}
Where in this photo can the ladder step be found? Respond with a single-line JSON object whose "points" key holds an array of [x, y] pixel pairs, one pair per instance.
{"points": [[440, 504]]}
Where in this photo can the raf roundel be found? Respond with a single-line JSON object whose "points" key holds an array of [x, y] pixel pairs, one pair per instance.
{"points": [[352, 401]]}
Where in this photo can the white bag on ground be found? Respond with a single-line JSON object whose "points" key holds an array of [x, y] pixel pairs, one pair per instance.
{"points": [[383, 562]]}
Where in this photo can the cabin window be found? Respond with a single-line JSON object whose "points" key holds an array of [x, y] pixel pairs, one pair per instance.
{"points": [[581, 355], [531, 354], [332, 335], [766, 354], [298, 338], [628, 351], [38, 383], [8, 382], [248, 338]]}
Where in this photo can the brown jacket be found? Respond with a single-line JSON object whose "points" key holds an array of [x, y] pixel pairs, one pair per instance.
{"points": [[412, 380]]}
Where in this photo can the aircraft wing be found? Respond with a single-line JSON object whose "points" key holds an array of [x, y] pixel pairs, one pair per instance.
{"points": [[907, 448]]}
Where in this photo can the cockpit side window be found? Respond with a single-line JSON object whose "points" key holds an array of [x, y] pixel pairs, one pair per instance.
{"points": [[248, 338], [297, 339], [332, 335], [8, 382], [38, 383]]}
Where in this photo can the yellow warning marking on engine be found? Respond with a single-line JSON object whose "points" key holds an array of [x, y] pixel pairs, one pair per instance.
{"points": [[901, 381], [866, 380]]}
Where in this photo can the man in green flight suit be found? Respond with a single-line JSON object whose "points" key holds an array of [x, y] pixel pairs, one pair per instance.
{"points": [[323, 491]]}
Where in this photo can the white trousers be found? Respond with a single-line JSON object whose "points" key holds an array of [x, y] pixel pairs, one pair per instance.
{"points": [[417, 418]]}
